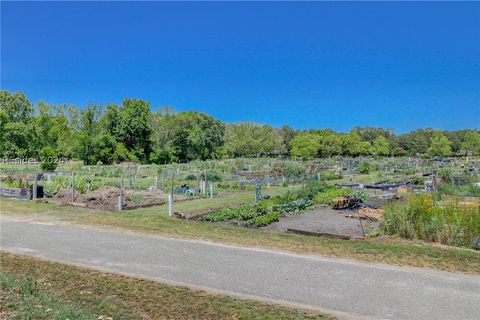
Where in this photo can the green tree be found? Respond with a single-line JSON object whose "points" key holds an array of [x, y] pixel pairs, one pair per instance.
{"points": [[16, 126], [48, 158], [89, 129], [250, 139], [471, 143], [305, 146], [353, 145], [196, 136], [134, 127], [439, 145], [287, 134], [381, 146], [331, 144], [416, 142]]}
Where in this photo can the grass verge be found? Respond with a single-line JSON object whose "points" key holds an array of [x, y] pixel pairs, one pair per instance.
{"points": [[38, 289], [152, 221]]}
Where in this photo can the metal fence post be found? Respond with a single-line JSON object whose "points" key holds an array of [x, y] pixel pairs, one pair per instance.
{"points": [[73, 186], [34, 189], [170, 205], [170, 196]]}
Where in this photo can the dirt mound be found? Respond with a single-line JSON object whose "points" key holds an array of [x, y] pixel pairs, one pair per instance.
{"points": [[65, 195], [104, 198]]}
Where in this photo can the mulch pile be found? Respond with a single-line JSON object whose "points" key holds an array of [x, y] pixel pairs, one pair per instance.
{"points": [[104, 198], [367, 213]]}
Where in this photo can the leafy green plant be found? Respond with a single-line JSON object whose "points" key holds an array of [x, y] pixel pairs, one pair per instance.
{"points": [[48, 159], [366, 167], [424, 218], [330, 194]]}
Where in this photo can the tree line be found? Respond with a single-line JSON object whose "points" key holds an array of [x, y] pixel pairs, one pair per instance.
{"points": [[131, 131]]}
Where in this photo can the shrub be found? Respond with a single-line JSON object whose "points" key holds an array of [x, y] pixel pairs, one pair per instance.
{"points": [[211, 176], [366, 167], [48, 159], [418, 181]]}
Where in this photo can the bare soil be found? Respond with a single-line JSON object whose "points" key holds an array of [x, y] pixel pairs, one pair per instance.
{"points": [[323, 220], [106, 198]]}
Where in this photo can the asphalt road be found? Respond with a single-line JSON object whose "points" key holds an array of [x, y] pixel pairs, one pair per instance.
{"points": [[342, 287]]}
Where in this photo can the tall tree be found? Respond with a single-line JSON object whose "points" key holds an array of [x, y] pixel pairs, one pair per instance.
{"points": [[305, 146], [381, 146], [353, 145], [250, 139], [135, 127], [439, 145], [331, 145], [197, 136], [16, 126], [471, 143]]}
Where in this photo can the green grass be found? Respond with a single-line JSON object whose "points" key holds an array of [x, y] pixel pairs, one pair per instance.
{"points": [[421, 217], [24, 298], [38, 289], [155, 221]]}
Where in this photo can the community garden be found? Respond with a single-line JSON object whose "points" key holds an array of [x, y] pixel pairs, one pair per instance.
{"points": [[428, 199]]}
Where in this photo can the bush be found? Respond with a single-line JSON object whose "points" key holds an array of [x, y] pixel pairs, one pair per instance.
{"points": [[329, 176], [366, 167], [211, 176], [418, 181], [48, 159], [191, 177], [422, 218]]}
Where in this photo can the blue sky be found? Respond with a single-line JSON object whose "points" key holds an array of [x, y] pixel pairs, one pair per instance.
{"points": [[308, 65]]}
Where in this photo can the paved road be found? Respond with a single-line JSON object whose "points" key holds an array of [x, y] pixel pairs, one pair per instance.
{"points": [[352, 288]]}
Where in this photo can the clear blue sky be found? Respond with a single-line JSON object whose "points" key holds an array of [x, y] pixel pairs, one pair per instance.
{"points": [[308, 65]]}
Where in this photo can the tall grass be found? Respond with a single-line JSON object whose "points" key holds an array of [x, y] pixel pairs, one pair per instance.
{"points": [[423, 218]]}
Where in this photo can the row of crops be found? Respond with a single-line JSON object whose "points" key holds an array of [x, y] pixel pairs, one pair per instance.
{"points": [[270, 210]]}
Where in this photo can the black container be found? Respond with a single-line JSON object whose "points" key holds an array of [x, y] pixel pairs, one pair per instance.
{"points": [[40, 193]]}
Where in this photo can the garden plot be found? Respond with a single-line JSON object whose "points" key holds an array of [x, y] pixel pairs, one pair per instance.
{"points": [[323, 221], [106, 198]]}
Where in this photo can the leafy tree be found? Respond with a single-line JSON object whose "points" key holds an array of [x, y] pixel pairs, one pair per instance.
{"points": [[16, 127], [417, 141], [196, 136], [331, 145], [353, 145], [89, 129], [381, 146], [471, 143], [371, 133], [249, 139], [305, 146], [287, 134], [48, 158], [134, 128], [439, 145]]}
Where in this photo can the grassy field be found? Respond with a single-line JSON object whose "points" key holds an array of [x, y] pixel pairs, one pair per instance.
{"points": [[36, 289], [155, 221]]}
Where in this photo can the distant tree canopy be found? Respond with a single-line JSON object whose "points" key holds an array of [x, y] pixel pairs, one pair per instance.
{"points": [[133, 132]]}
